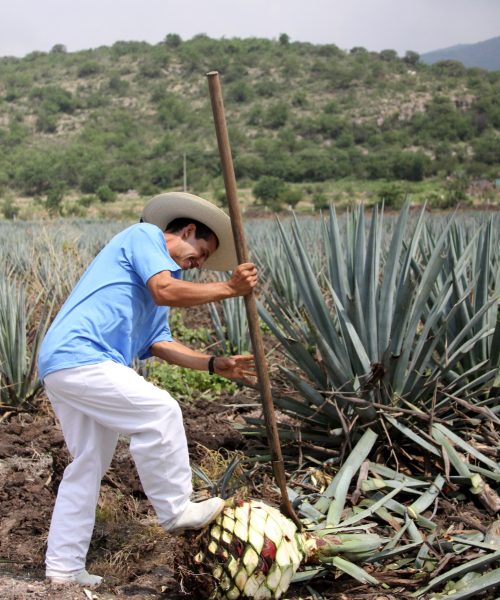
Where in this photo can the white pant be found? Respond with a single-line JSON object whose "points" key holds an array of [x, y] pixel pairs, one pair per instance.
{"points": [[94, 404]]}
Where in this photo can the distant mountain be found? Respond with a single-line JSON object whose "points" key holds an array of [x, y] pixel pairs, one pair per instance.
{"points": [[485, 55]]}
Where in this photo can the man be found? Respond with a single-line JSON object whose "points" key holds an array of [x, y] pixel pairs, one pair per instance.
{"points": [[119, 311]]}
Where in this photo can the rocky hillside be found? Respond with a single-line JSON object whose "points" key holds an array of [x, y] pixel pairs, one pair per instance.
{"points": [[119, 118]]}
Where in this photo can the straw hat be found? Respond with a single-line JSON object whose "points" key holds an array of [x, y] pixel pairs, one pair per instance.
{"points": [[164, 208]]}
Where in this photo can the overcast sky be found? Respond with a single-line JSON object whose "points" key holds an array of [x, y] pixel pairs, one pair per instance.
{"points": [[419, 25]]}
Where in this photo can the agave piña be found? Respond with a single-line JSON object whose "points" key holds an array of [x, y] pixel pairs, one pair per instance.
{"points": [[253, 551]]}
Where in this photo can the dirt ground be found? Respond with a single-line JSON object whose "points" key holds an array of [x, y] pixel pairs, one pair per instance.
{"points": [[133, 554]]}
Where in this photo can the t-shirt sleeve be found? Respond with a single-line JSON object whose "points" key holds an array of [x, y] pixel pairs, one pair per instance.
{"points": [[147, 252], [162, 334]]}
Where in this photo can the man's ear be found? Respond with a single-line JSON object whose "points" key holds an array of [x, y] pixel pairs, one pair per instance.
{"points": [[188, 231]]}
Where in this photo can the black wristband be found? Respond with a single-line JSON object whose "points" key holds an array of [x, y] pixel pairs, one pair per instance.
{"points": [[211, 365]]}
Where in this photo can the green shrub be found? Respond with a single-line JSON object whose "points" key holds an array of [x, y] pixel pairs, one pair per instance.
{"points": [[239, 92], [121, 178], [46, 122], [53, 99], [269, 191], [34, 172], [58, 49], [118, 85], [392, 194], [105, 194], [86, 201], [92, 178], [487, 149], [9, 209], [276, 115], [89, 69], [320, 201], [411, 166], [53, 202], [173, 40], [292, 197]]}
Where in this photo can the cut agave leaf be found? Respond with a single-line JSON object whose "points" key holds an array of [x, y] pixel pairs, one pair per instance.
{"points": [[355, 571], [354, 461], [467, 447], [471, 565]]}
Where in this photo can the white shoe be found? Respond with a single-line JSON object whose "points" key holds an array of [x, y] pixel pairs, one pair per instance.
{"points": [[80, 577], [197, 515]]}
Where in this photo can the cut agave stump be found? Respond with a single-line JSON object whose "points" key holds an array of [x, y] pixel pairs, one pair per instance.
{"points": [[252, 551]]}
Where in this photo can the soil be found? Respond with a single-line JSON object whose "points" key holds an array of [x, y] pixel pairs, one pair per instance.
{"points": [[137, 558]]}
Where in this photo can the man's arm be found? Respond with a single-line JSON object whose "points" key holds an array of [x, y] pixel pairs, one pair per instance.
{"points": [[169, 291], [239, 367]]}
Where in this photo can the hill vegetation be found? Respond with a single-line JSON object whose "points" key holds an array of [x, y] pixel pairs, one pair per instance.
{"points": [[304, 120]]}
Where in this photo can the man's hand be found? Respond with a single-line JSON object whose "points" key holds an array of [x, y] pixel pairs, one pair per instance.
{"points": [[240, 367], [243, 279]]}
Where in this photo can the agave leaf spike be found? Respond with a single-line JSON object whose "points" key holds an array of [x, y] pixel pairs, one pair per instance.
{"points": [[337, 266], [359, 255], [422, 369], [481, 295], [401, 509], [340, 375], [423, 553], [354, 312], [362, 361], [311, 394], [473, 330], [428, 280], [386, 301], [369, 299], [403, 288], [474, 541], [313, 296], [392, 551], [372, 509], [292, 345], [390, 473], [495, 346], [415, 437], [478, 384]]}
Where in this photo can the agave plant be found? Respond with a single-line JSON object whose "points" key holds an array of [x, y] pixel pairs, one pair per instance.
{"points": [[22, 326], [392, 321], [50, 257], [232, 330], [397, 331]]}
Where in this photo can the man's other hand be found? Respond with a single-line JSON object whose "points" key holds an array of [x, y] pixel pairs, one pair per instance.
{"points": [[240, 367]]}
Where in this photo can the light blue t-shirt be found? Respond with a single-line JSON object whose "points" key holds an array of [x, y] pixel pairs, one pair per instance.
{"points": [[110, 314]]}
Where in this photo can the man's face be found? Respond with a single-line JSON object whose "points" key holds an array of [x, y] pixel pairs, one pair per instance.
{"points": [[188, 251]]}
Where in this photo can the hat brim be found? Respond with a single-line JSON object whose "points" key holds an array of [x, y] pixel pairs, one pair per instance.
{"points": [[164, 208]]}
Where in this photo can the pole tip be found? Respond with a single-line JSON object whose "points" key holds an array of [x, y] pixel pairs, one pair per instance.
{"points": [[212, 73]]}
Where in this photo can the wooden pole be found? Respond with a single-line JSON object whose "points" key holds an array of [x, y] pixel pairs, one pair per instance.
{"points": [[250, 303]]}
